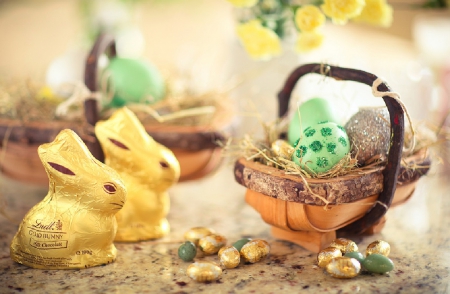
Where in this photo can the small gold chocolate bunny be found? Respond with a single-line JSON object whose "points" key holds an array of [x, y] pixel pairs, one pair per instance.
{"points": [[147, 168], [74, 225]]}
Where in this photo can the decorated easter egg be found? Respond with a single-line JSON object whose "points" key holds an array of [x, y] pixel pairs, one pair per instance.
{"points": [[321, 147], [369, 132], [134, 81], [309, 113]]}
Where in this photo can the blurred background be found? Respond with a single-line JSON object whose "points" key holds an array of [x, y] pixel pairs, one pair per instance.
{"points": [[199, 35]]}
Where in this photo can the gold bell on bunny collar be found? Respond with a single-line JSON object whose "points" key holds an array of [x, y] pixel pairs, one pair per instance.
{"points": [[147, 168], [74, 225]]}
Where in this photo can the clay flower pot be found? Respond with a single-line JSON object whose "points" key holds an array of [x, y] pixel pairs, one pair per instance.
{"points": [[357, 202]]}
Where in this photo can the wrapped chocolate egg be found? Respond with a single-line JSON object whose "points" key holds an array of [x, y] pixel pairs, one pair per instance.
{"points": [[369, 132], [187, 251], [380, 247], [377, 263], [343, 267], [309, 113], [241, 242], [229, 257], [196, 233], [282, 148], [202, 271], [255, 250], [74, 226], [356, 255], [345, 245], [321, 147], [211, 244], [326, 255]]}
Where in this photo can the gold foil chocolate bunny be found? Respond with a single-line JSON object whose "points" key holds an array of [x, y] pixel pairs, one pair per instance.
{"points": [[147, 168], [74, 225]]}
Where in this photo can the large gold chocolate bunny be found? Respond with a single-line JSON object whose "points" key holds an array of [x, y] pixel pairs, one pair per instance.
{"points": [[147, 168], [74, 225]]}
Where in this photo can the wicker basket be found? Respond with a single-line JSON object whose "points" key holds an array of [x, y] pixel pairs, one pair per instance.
{"points": [[196, 147], [357, 202]]}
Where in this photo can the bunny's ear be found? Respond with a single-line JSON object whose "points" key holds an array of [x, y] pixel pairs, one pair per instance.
{"points": [[123, 129], [65, 156]]}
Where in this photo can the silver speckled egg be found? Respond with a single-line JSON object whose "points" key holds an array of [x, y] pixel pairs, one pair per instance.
{"points": [[369, 133]]}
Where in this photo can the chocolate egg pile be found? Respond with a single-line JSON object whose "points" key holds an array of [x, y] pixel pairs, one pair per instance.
{"points": [[343, 260], [208, 242]]}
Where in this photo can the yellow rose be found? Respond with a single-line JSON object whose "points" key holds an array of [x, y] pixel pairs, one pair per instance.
{"points": [[243, 3], [376, 12], [308, 41], [258, 41], [309, 17], [341, 10]]}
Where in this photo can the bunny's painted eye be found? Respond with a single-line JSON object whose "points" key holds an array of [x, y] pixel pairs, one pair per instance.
{"points": [[164, 164], [61, 169], [109, 188], [118, 144]]}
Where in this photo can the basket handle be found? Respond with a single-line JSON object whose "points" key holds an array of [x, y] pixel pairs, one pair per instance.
{"points": [[104, 44], [396, 117]]}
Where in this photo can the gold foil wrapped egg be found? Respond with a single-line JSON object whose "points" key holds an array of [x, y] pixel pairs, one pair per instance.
{"points": [[229, 257], [196, 233], [74, 226], [343, 267], [345, 245], [379, 247], [211, 244], [255, 250], [148, 170], [202, 271], [326, 255], [282, 148]]}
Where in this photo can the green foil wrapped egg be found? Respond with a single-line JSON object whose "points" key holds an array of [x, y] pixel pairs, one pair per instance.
{"points": [[377, 263], [321, 147], [309, 113], [187, 251], [134, 81], [240, 243]]}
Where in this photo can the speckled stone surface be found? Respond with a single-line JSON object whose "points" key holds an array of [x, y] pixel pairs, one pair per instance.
{"points": [[418, 232]]}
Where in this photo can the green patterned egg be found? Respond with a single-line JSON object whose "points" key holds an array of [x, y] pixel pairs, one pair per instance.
{"points": [[321, 147]]}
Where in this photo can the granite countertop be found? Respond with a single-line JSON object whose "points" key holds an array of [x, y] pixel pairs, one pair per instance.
{"points": [[417, 232]]}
